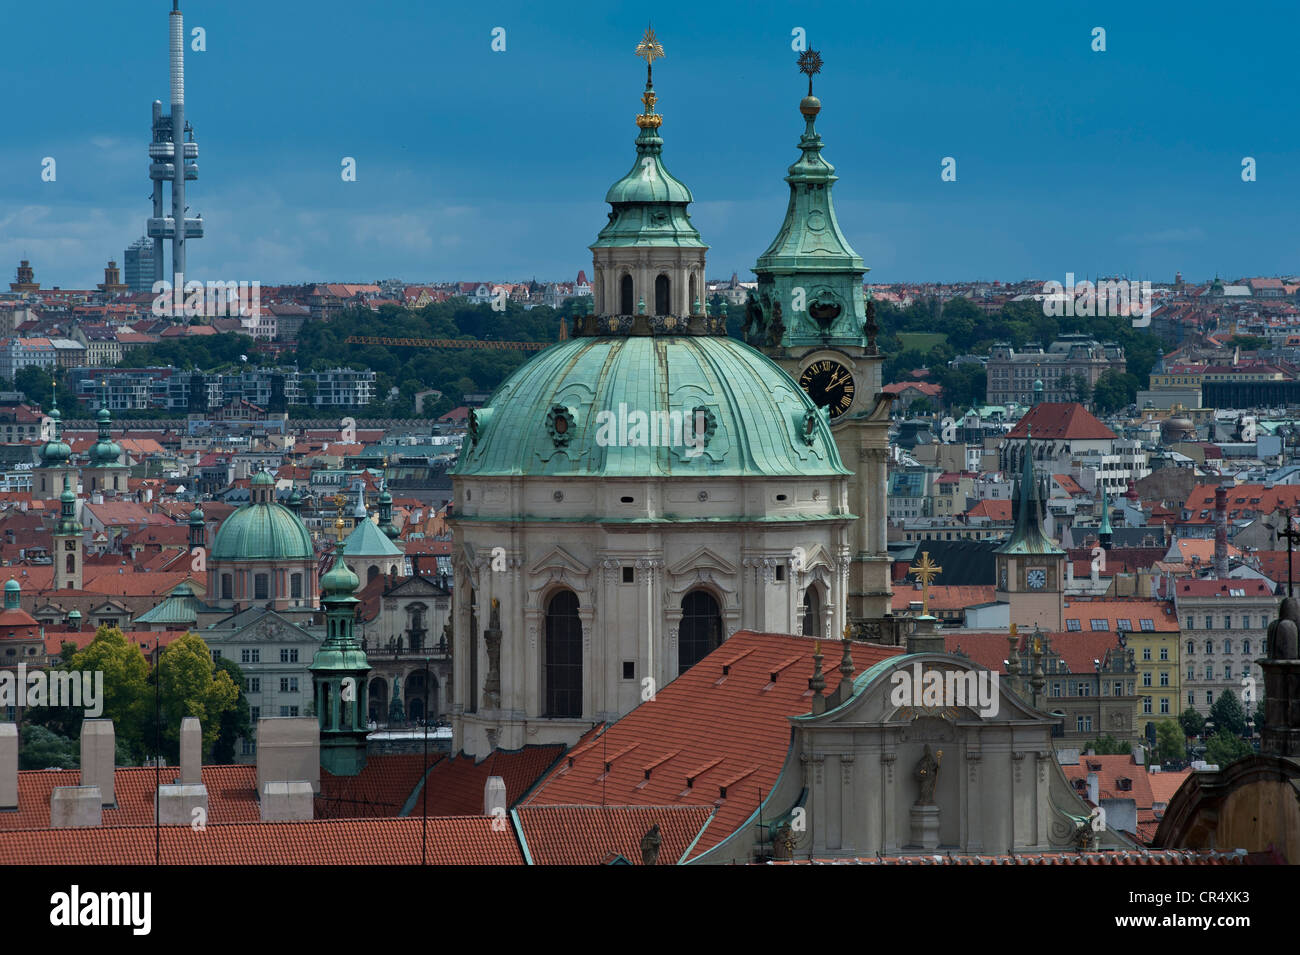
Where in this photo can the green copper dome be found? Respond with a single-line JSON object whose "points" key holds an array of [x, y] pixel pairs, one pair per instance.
{"points": [[648, 206], [546, 419], [263, 530], [339, 580], [56, 451]]}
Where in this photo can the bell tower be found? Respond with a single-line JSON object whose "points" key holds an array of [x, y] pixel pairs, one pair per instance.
{"points": [[811, 316], [67, 541], [1029, 565]]}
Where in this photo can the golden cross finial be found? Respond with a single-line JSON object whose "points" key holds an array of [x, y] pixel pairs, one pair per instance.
{"points": [[649, 49], [925, 572]]}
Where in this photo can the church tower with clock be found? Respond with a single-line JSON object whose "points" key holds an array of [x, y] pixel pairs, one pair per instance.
{"points": [[1029, 565], [811, 317]]}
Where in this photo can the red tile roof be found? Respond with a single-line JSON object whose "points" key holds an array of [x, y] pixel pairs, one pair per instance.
{"points": [[456, 784], [997, 511], [332, 842], [715, 736], [1257, 498], [1109, 770], [1247, 587], [1160, 613], [944, 597], [1068, 421], [1165, 783], [232, 796], [1077, 650], [591, 835], [380, 789]]}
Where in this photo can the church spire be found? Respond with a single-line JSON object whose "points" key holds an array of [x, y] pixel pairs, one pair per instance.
{"points": [[809, 278], [1027, 537], [1104, 532], [339, 673]]}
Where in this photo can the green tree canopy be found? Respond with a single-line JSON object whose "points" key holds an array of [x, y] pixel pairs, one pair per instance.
{"points": [[1109, 745], [1192, 722], [1228, 714], [236, 720], [1171, 744], [1224, 748], [192, 686]]}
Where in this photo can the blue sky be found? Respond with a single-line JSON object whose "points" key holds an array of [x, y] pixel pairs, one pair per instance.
{"points": [[474, 164]]}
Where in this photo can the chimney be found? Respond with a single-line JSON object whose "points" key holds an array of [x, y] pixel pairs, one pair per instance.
{"points": [[494, 797], [8, 766], [288, 750], [1093, 796], [1221, 532], [191, 752], [98, 749], [75, 807]]}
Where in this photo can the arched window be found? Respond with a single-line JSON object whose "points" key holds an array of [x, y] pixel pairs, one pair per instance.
{"points": [[812, 615], [71, 563], [372, 572], [1227, 645], [295, 586], [379, 699], [563, 656], [1191, 647], [1245, 646], [261, 586], [662, 297], [701, 629], [227, 587], [695, 293], [626, 305], [1209, 646]]}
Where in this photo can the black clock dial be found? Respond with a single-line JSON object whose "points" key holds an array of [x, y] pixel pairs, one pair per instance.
{"points": [[829, 384]]}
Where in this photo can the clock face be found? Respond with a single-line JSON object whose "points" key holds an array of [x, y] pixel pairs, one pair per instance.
{"points": [[829, 384], [1036, 578]]}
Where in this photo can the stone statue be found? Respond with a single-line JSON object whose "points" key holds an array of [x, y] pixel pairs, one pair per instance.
{"points": [[753, 319], [869, 327], [650, 843], [927, 772], [1284, 632], [776, 330]]}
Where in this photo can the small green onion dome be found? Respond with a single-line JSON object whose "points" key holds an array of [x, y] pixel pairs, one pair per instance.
{"points": [[339, 579]]}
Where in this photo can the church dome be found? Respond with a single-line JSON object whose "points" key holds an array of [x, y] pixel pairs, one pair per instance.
{"points": [[579, 407], [339, 579], [263, 530], [56, 451]]}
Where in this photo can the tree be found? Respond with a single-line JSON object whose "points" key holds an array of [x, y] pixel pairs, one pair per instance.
{"points": [[191, 685], [1228, 714], [1114, 390], [1171, 744], [1108, 745], [44, 749], [1081, 390], [1192, 722], [125, 683], [1224, 748], [236, 722]]}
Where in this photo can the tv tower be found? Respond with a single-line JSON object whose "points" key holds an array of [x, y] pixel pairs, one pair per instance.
{"points": [[172, 157]]}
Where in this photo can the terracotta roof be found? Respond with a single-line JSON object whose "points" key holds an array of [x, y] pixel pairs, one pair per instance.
{"points": [[1110, 770], [1068, 484], [331, 842], [1223, 588], [943, 597], [380, 789], [1068, 421], [997, 511], [1077, 650], [232, 797], [1253, 497], [591, 835], [456, 784], [1160, 613], [1165, 783], [716, 736]]}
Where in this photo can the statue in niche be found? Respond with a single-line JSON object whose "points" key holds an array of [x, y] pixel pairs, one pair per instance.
{"points": [[776, 330], [650, 844], [927, 773]]}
